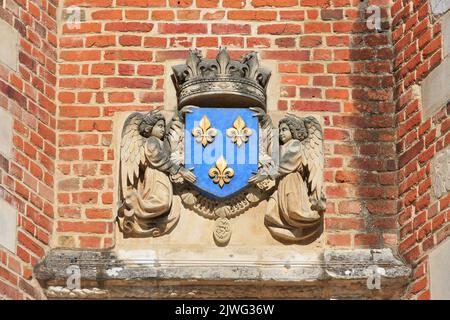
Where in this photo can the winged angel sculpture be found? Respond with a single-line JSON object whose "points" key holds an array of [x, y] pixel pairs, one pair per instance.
{"points": [[294, 209], [148, 158]]}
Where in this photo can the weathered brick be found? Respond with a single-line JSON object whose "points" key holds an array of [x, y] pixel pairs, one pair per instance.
{"points": [[185, 28], [222, 28]]}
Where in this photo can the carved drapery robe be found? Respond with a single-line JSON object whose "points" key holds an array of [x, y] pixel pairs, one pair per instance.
{"points": [[289, 215], [149, 206]]}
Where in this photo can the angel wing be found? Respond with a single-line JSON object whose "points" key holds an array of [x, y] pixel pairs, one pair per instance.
{"points": [[313, 158], [175, 137], [132, 151]]}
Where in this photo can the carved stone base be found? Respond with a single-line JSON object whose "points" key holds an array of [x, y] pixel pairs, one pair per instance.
{"points": [[331, 274]]}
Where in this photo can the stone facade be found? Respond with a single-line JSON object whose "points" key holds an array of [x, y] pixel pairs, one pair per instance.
{"points": [[74, 86]]}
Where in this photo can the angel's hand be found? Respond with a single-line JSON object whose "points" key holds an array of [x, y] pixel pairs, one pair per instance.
{"points": [[259, 112], [131, 199], [188, 175], [186, 109], [256, 178]]}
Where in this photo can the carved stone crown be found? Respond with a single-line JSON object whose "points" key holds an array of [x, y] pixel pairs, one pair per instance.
{"points": [[221, 82]]}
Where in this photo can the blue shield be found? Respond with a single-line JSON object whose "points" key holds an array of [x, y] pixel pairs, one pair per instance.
{"points": [[221, 145]]}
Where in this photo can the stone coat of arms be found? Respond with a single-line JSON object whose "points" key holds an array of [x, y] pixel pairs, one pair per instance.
{"points": [[220, 155]]}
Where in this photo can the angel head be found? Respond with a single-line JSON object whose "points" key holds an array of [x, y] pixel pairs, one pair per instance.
{"points": [[153, 124], [292, 128]]}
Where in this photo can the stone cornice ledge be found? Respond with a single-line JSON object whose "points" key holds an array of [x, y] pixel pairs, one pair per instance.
{"points": [[329, 274]]}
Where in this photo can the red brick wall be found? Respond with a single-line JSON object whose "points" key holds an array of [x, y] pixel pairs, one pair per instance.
{"points": [[424, 222], [330, 64], [27, 178]]}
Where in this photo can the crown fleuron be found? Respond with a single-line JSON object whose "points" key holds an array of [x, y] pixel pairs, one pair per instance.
{"points": [[221, 82]]}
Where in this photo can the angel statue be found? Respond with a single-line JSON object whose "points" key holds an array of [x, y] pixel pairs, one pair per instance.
{"points": [[294, 210], [146, 193]]}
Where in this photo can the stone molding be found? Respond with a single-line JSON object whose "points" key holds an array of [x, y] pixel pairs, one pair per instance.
{"points": [[330, 274]]}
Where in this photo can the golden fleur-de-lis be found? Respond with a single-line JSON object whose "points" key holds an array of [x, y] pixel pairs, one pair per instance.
{"points": [[204, 134], [239, 133], [221, 174]]}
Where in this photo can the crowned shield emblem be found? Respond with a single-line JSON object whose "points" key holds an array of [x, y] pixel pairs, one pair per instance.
{"points": [[221, 145], [220, 155]]}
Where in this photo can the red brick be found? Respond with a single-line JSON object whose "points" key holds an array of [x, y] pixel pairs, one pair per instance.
{"points": [[8, 276], [103, 68], [136, 14], [126, 69], [163, 15], [188, 14], [129, 26], [207, 3], [90, 242], [341, 94], [86, 169], [309, 93], [83, 28], [331, 14], [82, 227], [287, 68], [316, 106], [141, 3], [107, 15], [155, 42], [233, 3], [72, 69], [150, 70], [383, 207], [315, 3], [88, 3], [128, 83], [339, 67], [350, 207], [30, 244], [295, 55], [87, 83], [149, 97], [207, 42], [317, 27], [285, 42], [128, 40], [280, 29], [252, 15], [180, 3], [274, 3], [339, 240], [121, 97], [312, 68], [370, 240], [83, 111], [335, 134], [293, 15], [217, 15], [344, 223], [410, 153], [419, 285], [92, 125], [132, 55], [347, 177], [98, 213], [222, 28], [93, 154], [107, 198], [186, 28]]}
